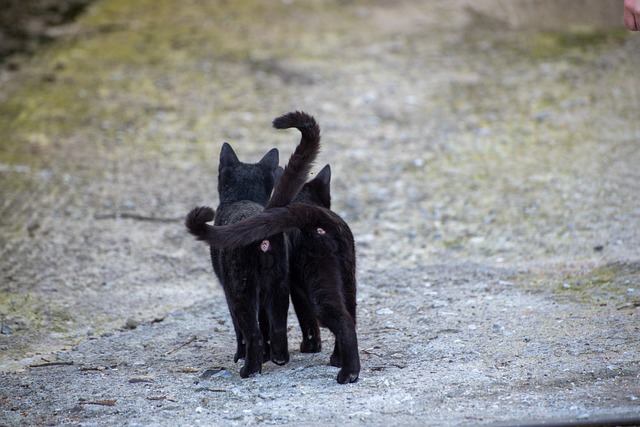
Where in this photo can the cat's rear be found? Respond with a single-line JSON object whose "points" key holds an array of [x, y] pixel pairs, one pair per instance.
{"points": [[254, 275], [254, 278], [323, 276], [322, 267]]}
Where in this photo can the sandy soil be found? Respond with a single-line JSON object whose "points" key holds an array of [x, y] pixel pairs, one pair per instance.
{"points": [[490, 176]]}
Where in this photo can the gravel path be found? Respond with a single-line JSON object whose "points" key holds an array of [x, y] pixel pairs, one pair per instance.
{"points": [[490, 176]]}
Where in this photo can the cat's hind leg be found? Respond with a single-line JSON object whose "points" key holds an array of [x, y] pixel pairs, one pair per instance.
{"points": [[345, 355]]}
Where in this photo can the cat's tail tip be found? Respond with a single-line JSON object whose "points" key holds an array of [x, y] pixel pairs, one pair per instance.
{"points": [[196, 220], [296, 119]]}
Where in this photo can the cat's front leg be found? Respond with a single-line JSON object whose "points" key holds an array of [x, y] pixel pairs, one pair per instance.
{"points": [[253, 357], [240, 344], [278, 323], [240, 350], [246, 314], [311, 341], [336, 359], [265, 329]]}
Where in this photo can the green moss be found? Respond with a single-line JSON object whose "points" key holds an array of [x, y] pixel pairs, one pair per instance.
{"points": [[124, 65], [555, 44], [608, 284], [453, 244], [27, 312]]}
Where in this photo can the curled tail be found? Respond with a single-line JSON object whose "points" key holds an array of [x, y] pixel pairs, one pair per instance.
{"points": [[276, 218], [299, 165], [196, 221], [259, 226]]}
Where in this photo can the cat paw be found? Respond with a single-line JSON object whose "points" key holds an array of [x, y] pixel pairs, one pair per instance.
{"points": [[266, 353], [280, 359], [280, 362], [346, 377], [311, 346], [247, 371]]}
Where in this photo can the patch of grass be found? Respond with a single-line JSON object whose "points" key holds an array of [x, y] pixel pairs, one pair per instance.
{"points": [[124, 67], [546, 45], [604, 285], [24, 312]]}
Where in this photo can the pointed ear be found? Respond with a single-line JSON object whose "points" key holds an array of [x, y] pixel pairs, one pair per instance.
{"points": [[270, 159], [324, 176], [228, 156], [322, 185]]}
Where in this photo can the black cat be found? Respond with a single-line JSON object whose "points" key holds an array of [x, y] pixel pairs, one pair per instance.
{"points": [[316, 192], [255, 275], [322, 266]]}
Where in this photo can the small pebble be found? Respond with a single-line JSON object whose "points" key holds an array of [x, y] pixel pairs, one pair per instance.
{"points": [[140, 380], [439, 304], [215, 372], [131, 324], [224, 373], [128, 205]]}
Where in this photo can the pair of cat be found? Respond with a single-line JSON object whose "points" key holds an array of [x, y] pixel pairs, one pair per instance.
{"points": [[265, 248]]}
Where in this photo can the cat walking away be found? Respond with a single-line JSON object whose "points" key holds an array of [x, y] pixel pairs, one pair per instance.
{"points": [[323, 265], [254, 276]]}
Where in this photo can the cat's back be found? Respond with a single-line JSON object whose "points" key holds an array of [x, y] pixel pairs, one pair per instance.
{"points": [[229, 213], [226, 260]]}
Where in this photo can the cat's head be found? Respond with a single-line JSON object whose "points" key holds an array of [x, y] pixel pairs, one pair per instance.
{"points": [[246, 181], [318, 190]]}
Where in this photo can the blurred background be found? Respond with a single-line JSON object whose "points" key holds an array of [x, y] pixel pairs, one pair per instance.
{"points": [[502, 133]]}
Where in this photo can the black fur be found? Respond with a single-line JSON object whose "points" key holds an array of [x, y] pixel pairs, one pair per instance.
{"points": [[322, 266], [255, 275]]}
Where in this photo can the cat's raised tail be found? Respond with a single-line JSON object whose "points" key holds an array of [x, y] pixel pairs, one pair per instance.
{"points": [[297, 169], [287, 187]]}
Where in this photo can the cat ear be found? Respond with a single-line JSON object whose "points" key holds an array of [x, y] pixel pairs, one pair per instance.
{"points": [[324, 176], [322, 185], [228, 156], [270, 159]]}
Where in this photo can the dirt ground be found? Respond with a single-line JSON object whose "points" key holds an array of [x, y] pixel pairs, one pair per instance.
{"points": [[489, 173]]}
